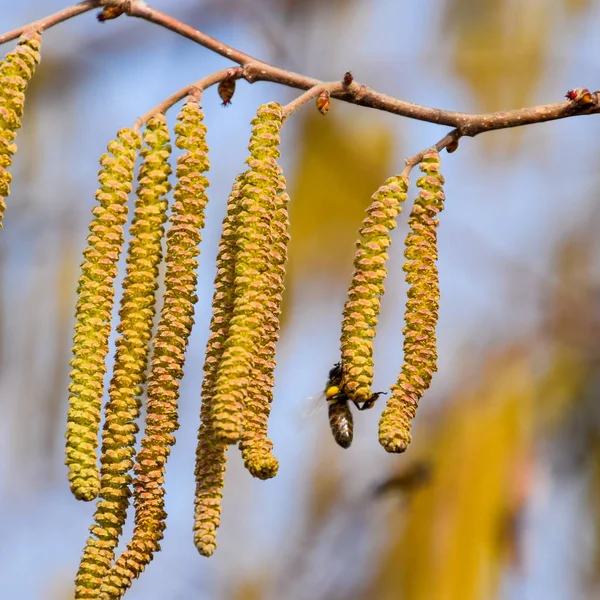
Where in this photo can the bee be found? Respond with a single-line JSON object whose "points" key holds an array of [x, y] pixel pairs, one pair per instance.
{"points": [[340, 416], [341, 421]]}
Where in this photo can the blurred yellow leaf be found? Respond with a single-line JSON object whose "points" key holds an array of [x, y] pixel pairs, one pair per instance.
{"points": [[339, 167], [459, 530], [576, 6], [500, 51]]}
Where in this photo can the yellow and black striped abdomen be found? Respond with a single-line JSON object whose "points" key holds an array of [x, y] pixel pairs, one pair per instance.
{"points": [[340, 421]]}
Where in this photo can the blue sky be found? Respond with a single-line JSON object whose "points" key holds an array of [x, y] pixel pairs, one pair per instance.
{"points": [[540, 189]]}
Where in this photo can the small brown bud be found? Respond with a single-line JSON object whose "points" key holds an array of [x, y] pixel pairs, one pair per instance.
{"points": [[580, 96], [452, 146], [348, 78], [226, 90], [108, 13], [323, 104]]}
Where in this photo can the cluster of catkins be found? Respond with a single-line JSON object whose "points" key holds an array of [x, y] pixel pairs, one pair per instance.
{"points": [[361, 310], [237, 388]]}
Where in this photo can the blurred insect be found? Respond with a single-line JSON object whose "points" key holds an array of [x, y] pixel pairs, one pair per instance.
{"points": [[341, 421], [411, 478]]}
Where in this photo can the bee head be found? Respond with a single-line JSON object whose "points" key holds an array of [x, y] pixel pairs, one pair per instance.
{"points": [[336, 371]]}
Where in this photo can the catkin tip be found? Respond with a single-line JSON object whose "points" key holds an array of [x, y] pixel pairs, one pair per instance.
{"points": [[262, 464]]}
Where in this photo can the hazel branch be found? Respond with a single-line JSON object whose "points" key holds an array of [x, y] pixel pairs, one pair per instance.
{"points": [[467, 124]]}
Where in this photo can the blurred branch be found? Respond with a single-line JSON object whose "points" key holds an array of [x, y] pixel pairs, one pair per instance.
{"points": [[52, 20], [579, 102]]}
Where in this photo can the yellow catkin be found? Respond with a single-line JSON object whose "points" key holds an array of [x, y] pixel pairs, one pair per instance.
{"points": [[173, 331], [421, 310], [131, 359], [255, 446], [16, 70], [361, 310], [211, 452], [252, 259], [93, 313]]}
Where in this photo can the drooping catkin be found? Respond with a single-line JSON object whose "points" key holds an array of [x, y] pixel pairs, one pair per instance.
{"points": [[131, 358], [16, 70], [210, 452], [421, 310], [255, 446], [170, 344], [252, 259], [361, 310], [93, 313]]}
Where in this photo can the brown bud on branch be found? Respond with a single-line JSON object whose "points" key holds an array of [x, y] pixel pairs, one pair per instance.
{"points": [[580, 96], [323, 103]]}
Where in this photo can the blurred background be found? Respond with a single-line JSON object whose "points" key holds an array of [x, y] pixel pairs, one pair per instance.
{"points": [[498, 496]]}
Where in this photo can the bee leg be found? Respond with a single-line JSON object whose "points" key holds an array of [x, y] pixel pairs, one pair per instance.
{"points": [[365, 405], [370, 403]]}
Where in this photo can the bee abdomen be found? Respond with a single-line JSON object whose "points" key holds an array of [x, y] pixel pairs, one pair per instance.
{"points": [[341, 422]]}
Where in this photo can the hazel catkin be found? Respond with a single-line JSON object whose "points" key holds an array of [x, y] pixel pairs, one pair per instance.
{"points": [[210, 451], [170, 344], [131, 358], [93, 313], [361, 310], [256, 448], [252, 258], [16, 70], [421, 315]]}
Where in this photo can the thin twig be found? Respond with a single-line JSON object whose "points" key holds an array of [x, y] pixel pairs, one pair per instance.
{"points": [[309, 95], [52, 20], [448, 140], [197, 88]]}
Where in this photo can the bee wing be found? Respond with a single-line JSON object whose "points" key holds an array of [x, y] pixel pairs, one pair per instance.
{"points": [[314, 405]]}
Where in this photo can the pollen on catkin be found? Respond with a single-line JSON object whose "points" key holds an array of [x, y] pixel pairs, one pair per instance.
{"points": [[252, 259], [256, 448], [421, 310], [93, 313], [131, 358], [211, 452], [16, 70], [361, 310], [170, 344]]}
